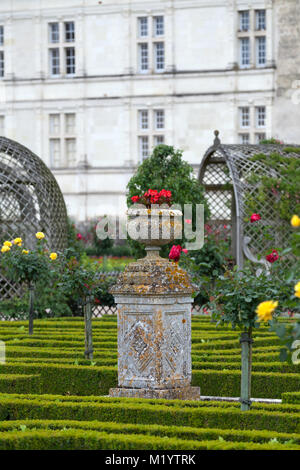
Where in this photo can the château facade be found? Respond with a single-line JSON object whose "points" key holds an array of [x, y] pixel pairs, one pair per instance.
{"points": [[91, 86]]}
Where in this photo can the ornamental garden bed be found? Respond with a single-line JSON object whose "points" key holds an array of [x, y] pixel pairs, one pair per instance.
{"points": [[52, 398]]}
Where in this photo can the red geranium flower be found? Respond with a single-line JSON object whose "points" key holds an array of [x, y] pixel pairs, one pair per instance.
{"points": [[135, 198], [175, 252], [255, 218], [272, 257]]}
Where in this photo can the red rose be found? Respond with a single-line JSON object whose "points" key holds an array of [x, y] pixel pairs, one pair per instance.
{"points": [[207, 228], [255, 218], [79, 236], [175, 252], [135, 198], [272, 257]]}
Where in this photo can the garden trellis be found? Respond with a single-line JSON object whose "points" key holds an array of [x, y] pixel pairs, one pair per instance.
{"points": [[30, 201], [238, 180]]}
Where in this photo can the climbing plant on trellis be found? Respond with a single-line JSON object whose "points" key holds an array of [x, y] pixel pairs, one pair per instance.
{"points": [[242, 179]]}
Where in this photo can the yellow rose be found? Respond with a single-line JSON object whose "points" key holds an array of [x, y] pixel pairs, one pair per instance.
{"points": [[40, 235], [17, 241], [295, 221], [7, 243], [19, 244], [4, 249], [53, 256], [297, 290], [25, 252], [266, 309]]}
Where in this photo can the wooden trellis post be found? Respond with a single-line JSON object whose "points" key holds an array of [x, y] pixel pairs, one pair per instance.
{"points": [[246, 344]]}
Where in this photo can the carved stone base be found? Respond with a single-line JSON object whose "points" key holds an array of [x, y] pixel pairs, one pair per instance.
{"points": [[183, 393]]}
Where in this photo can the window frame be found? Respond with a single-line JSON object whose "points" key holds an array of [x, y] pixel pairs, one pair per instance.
{"points": [[156, 57], [243, 41], [73, 32], [51, 60], [50, 32], [241, 21], [260, 122], [242, 110], [156, 19], [66, 62], [61, 135], [2, 37], [258, 40], [258, 20]]}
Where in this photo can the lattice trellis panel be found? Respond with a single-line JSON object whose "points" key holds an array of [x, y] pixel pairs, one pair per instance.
{"points": [[30, 201], [226, 173]]}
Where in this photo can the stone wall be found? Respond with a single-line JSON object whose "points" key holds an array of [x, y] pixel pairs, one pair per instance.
{"points": [[287, 102]]}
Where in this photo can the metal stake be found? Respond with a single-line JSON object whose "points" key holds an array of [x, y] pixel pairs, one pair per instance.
{"points": [[31, 307], [88, 329]]}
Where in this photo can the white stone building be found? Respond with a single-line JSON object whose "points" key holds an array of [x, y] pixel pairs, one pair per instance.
{"points": [[91, 86]]}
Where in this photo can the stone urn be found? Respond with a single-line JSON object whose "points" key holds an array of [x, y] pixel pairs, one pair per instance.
{"points": [[154, 302]]}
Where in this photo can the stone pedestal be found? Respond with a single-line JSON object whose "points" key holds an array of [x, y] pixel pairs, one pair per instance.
{"points": [[154, 331], [154, 345]]}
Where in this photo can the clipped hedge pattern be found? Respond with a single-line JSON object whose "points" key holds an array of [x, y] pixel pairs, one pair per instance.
{"points": [[52, 398]]}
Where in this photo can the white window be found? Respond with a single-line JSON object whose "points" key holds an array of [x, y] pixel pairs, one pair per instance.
{"points": [[159, 26], [143, 147], [62, 139], [70, 60], [260, 20], [55, 156], [244, 138], [1, 35], [159, 118], [252, 42], [261, 51], [143, 119], [54, 61], [151, 124], [69, 31], [53, 32], [143, 27], [54, 124], [62, 57], [70, 152], [150, 45], [244, 52], [159, 51], [245, 116], [144, 58], [260, 137], [261, 116], [158, 139], [244, 20], [70, 123], [2, 125]]}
